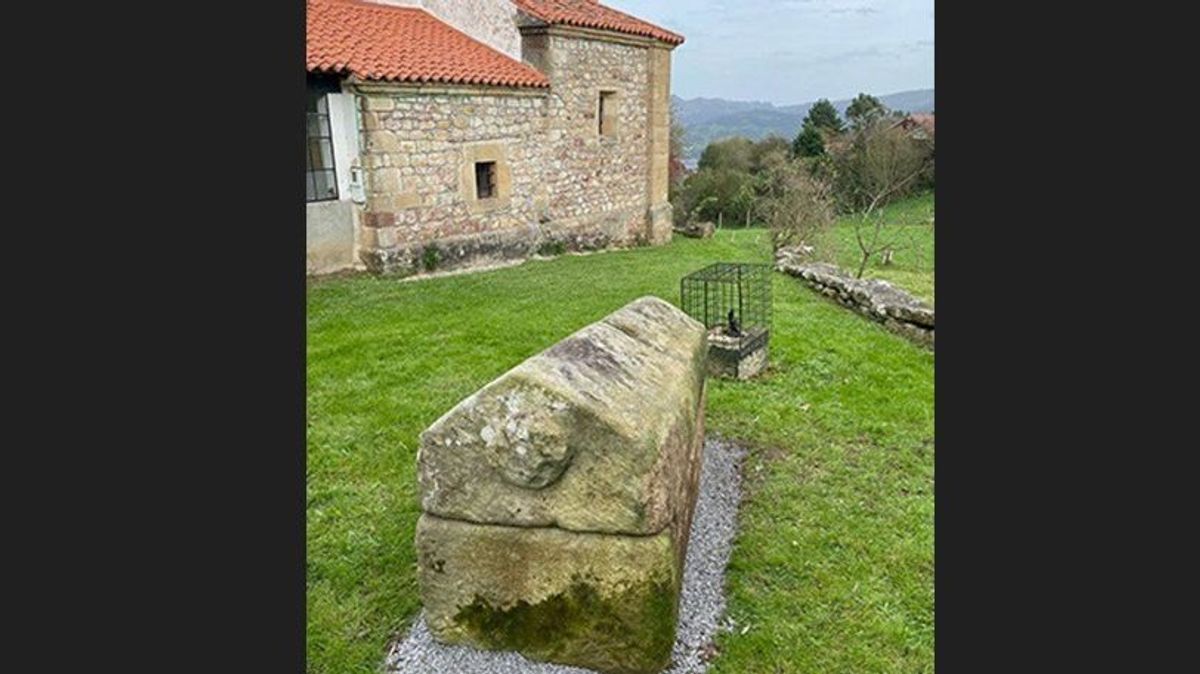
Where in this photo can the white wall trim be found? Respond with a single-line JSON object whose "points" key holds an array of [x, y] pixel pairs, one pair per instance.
{"points": [[343, 125]]}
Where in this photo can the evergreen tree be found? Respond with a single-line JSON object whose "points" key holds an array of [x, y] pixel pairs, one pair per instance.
{"points": [[810, 142], [865, 109], [824, 116]]}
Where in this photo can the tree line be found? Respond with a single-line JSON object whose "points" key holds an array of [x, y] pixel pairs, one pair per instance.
{"points": [[797, 188]]}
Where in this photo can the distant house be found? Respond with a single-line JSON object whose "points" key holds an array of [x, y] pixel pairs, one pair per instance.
{"points": [[445, 134], [919, 126]]}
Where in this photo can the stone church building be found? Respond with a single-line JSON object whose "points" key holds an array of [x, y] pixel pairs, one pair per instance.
{"points": [[450, 134]]}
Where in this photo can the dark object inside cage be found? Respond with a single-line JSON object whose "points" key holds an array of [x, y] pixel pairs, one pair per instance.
{"points": [[733, 301]]}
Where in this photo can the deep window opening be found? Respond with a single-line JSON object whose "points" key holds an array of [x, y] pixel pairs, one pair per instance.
{"points": [[607, 112], [485, 179]]}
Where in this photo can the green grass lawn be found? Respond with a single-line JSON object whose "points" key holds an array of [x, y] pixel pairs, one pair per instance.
{"points": [[912, 268], [833, 567]]}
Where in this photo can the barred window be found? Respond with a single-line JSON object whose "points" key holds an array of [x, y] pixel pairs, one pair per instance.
{"points": [[485, 179], [321, 179]]}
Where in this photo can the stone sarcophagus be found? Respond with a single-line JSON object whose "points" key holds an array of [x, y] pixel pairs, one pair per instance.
{"points": [[558, 499]]}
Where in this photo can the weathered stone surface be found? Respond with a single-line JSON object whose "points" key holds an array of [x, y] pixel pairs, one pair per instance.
{"points": [[912, 314], [593, 600], [558, 499], [878, 300], [591, 435], [696, 230], [488, 21], [727, 359], [660, 218]]}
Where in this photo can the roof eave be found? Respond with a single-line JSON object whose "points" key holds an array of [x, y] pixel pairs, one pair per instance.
{"points": [[527, 20], [366, 85], [601, 34]]}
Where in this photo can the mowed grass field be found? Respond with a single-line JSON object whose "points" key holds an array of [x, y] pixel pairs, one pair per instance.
{"points": [[832, 570]]}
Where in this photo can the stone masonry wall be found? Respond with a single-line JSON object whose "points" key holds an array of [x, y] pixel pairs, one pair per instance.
{"points": [[562, 185], [658, 100], [418, 161], [590, 176]]}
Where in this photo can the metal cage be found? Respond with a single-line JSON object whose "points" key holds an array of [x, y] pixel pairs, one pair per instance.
{"points": [[733, 301]]}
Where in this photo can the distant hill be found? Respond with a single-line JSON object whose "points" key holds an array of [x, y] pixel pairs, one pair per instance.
{"points": [[709, 119]]}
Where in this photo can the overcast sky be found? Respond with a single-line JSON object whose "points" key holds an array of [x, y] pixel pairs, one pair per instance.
{"points": [[794, 51]]}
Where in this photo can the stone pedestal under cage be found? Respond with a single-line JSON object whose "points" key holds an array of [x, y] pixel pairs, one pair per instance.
{"points": [[733, 301]]}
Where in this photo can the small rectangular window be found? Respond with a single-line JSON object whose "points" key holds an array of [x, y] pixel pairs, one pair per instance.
{"points": [[608, 113], [485, 179]]}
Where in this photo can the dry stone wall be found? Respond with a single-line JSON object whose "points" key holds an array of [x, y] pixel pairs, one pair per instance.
{"points": [[878, 300]]}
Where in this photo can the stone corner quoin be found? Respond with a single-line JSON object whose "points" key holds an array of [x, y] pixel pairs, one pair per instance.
{"points": [[562, 494]]}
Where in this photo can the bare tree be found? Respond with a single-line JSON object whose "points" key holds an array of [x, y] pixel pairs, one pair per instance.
{"points": [[676, 147], [797, 207], [884, 162]]}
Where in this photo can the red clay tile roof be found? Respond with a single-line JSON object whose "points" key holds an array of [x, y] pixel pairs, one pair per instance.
{"points": [[923, 120], [926, 121], [403, 44], [592, 14]]}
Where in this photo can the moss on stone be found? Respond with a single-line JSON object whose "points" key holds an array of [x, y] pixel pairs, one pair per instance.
{"points": [[431, 257], [632, 632], [552, 249]]}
